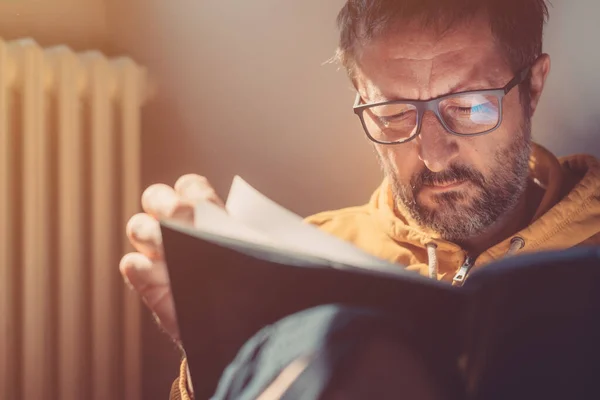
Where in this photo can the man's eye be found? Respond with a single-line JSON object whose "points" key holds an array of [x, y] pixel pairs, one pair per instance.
{"points": [[479, 108], [394, 118]]}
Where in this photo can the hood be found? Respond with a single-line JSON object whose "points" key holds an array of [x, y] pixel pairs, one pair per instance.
{"points": [[567, 215]]}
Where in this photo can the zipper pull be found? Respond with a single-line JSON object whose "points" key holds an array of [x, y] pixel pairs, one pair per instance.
{"points": [[463, 272]]}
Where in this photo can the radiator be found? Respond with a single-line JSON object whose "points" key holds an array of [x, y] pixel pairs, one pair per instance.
{"points": [[69, 180]]}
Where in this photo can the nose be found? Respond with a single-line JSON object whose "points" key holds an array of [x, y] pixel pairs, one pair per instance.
{"points": [[437, 147]]}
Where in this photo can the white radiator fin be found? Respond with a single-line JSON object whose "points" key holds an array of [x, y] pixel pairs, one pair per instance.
{"points": [[69, 179]]}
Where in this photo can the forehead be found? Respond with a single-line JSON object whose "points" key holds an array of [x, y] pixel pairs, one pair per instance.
{"points": [[415, 63]]}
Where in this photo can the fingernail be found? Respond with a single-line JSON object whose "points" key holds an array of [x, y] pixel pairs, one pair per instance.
{"points": [[126, 267], [160, 199], [146, 230], [192, 188]]}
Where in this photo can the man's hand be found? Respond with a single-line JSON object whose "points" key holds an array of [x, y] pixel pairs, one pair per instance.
{"points": [[146, 271]]}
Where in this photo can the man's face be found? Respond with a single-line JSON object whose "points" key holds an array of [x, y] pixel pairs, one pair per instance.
{"points": [[455, 186]]}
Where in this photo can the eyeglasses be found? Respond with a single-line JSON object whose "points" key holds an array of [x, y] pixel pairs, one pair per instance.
{"points": [[471, 113]]}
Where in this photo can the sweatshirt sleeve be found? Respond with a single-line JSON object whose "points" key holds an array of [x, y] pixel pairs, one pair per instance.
{"points": [[179, 389]]}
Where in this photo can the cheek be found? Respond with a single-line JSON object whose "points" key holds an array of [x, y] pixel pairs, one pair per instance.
{"points": [[481, 152], [401, 161], [477, 152]]}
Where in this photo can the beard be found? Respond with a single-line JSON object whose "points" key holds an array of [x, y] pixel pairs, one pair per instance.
{"points": [[459, 215]]}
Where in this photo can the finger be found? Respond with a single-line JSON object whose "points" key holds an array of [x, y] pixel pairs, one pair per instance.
{"points": [[142, 274], [151, 281], [144, 234], [161, 201], [193, 189]]}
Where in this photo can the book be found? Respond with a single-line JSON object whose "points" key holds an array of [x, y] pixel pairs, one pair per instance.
{"points": [[240, 269]]}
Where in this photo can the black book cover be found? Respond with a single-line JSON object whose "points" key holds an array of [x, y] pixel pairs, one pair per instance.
{"points": [[226, 290]]}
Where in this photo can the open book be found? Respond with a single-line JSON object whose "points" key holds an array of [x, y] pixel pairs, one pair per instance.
{"points": [[239, 270]]}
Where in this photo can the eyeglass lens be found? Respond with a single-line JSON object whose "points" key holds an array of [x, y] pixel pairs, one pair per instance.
{"points": [[466, 114]]}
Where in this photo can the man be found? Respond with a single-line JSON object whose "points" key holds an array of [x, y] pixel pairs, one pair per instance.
{"points": [[446, 90]]}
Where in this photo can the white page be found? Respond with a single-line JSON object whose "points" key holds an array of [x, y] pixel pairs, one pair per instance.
{"points": [[255, 210], [211, 218]]}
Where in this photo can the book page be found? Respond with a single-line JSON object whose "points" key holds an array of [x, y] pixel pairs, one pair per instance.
{"points": [[250, 207], [211, 218]]}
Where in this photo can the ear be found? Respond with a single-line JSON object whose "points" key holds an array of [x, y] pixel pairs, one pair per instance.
{"points": [[539, 73]]}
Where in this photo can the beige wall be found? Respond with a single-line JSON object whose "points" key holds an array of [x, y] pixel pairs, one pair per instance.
{"points": [[80, 23], [242, 89], [568, 120]]}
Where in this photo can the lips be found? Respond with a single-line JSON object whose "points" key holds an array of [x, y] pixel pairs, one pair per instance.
{"points": [[445, 185]]}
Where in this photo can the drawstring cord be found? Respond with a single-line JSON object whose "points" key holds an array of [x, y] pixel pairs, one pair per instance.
{"points": [[516, 244], [433, 260]]}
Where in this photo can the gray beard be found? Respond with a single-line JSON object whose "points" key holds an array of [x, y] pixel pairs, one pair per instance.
{"points": [[455, 220]]}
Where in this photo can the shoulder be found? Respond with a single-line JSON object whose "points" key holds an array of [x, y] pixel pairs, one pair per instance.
{"points": [[343, 214], [343, 220], [365, 229], [358, 225]]}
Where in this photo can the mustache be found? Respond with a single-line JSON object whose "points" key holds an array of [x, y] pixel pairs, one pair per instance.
{"points": [[455, 173]]}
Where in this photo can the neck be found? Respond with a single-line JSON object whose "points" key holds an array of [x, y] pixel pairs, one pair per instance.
{"points": [[510, 223]]}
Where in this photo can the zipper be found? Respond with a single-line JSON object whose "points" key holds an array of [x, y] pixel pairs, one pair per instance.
{"points": [[463, 271]]}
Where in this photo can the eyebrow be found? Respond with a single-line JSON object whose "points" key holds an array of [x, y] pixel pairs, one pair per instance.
{"points": [[456, 89], [462, 87]]}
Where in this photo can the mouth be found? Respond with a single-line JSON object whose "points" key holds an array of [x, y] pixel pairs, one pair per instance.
{"points": [[445, 186]]}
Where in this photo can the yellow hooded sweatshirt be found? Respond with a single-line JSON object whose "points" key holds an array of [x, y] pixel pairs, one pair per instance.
{"points": [[568, 215]]}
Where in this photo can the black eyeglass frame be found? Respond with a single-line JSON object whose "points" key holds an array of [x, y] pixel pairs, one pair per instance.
{"points": [[433, 105]]}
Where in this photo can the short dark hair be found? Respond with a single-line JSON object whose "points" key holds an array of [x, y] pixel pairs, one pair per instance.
{"points": [[517, 25]]}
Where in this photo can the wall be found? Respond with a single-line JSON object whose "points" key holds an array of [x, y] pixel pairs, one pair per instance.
{"points": [[80, 23], [243, 89], [244, 82], [568, 120]]}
